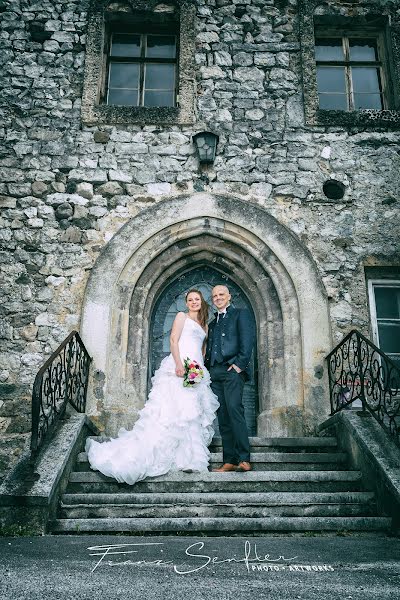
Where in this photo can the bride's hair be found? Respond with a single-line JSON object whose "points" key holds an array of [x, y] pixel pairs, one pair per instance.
{"points": [[203, 312]]}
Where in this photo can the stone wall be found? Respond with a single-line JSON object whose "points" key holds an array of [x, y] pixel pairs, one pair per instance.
{"points": [[66, 188]]}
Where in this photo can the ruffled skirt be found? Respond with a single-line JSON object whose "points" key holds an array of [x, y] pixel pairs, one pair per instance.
{"points": [[173, 431]]}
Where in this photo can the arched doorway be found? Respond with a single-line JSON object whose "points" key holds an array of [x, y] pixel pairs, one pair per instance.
{"points": [[259, 254], [171, 301]]}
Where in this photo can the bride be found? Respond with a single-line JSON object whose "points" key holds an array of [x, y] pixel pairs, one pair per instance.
{"points": [[174, 429]]}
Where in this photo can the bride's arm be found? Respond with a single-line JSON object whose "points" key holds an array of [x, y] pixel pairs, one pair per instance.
{"points": [[174, 339], [203, 350]]}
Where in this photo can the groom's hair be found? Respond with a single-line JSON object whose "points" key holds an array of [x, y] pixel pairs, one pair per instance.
{"points": [[222, 285]]}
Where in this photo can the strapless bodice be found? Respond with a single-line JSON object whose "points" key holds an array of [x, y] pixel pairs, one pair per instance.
{"points": [[191, 341]]}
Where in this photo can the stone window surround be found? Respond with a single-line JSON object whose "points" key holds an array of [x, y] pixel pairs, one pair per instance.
{"points": [[93, 112], [366, 118]]}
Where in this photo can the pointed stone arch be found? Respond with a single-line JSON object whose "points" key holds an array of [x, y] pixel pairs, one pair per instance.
{"points": [[261, 255]]}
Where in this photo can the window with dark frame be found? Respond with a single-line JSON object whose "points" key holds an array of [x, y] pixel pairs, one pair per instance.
{"points": [[351, 71], [142, 69]]}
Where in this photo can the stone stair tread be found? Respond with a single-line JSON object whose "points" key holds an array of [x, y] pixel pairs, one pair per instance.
{"points": [[298, 484], [286, 441], [254, 511], [181, 524], [265, 457], [232, 498], [330, 442], [179, 477]]}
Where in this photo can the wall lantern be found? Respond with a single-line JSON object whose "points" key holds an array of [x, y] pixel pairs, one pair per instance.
{"points": [[206, 144]]}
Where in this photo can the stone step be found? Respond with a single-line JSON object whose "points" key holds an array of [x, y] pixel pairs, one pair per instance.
{"points": [[261, 444], [303, 444], [255, 481], [82, 506], [214, 498], [219, 524], [269, 461], [212, 511]]}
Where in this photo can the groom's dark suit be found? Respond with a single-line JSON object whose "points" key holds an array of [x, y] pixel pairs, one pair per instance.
{"points": [[230, 341]]}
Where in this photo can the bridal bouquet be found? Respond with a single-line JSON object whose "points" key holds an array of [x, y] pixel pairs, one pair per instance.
{"points": [[193, 373]]}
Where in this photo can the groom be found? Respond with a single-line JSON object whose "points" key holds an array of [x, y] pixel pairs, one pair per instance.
{"points": [[230, 342]]}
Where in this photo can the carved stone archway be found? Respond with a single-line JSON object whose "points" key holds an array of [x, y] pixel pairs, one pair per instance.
{"points": [[261, 255]]}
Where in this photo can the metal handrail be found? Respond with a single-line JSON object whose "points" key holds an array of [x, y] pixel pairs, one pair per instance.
{"points": [[63, 378], [359, 370]]}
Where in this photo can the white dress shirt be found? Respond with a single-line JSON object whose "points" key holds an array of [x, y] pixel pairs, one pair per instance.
{"points": [[222, 312]]}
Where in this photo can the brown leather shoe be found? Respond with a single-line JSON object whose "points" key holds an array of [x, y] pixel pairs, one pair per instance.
{"points": [[225, 468], [244, 466]]}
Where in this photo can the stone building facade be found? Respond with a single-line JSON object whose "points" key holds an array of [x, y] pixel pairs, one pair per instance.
{"points": [[104, 206]]}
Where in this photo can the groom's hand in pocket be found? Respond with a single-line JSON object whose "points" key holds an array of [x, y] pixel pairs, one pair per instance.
{"points": [[237, 369]]}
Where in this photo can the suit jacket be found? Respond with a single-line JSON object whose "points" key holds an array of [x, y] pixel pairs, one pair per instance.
{"points": [[237, 338]]}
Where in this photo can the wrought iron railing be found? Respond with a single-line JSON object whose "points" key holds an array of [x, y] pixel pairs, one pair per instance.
{"points": [[358, 370], [63, 378]]}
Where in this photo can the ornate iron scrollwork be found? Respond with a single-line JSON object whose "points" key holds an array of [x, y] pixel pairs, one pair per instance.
{"points": [[63, 378], [358, 370]]}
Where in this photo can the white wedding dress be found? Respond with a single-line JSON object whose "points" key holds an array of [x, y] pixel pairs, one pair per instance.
{"points": [[174, 428]]}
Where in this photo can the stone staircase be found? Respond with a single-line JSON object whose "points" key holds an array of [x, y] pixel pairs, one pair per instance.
{"points": [[297, 485]]}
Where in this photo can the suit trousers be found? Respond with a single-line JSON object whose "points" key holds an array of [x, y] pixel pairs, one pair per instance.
{"points": [[228, 386]]}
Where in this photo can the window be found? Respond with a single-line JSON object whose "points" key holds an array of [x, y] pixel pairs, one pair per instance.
{"points": [[142, 69], [139, 65], [385, 312], [350, 72], [350, 63]]}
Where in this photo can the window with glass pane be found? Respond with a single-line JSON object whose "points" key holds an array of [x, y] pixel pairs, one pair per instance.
{"points": [[142, 70], [349, 73], [387, 306]]}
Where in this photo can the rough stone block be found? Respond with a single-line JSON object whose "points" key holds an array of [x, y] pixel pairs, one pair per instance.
{"points": [[159, 189], [11, 174], [31, 211], [214, 72], [36, 223], [98, 211], [111, 188], [64, 211], [250, 74], [298, 191], [80, 212], [255, 114], [264, 59], [122, 176], [46, 212], [38, 188], [88, 175], [7, 202], [208, 37], [85, 190], [243, 59], [130, 149], [101, 137]]}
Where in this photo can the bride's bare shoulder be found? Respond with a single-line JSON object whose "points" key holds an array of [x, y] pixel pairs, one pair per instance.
{"points": [[180, 316]]}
